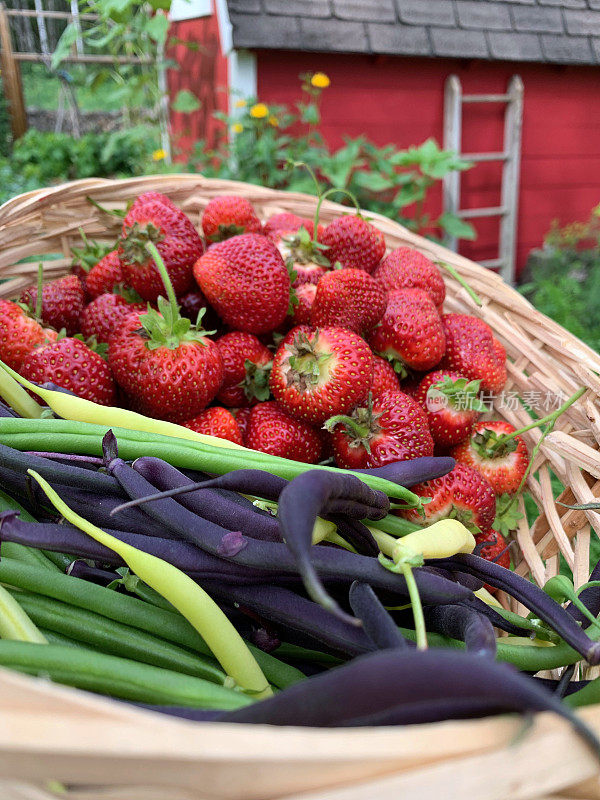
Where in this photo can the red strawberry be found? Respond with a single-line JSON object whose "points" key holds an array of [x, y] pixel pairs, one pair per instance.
{"points": [[405, 268], [305, 295], [242, 417], [462, 494], [216, 421], [385, 378], [271, 430], [86, 257], [153, 197], [496, 551], [73, 365], [354, 243], [175, 238], [502, 464], [393, 427], [246, 282], [348, 298], [102, 316], [167, 366], [246, 369], [229, 215], [62, 302], [19, 334], [471, 351], [105, 275], [499, 350], [287, 222], [410, 333], [319, 373], [451, 404]]}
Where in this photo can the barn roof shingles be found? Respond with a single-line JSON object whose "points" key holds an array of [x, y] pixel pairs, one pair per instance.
{"points": [[554, 31]]}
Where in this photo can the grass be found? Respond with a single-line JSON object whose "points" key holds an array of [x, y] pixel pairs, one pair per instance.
{"points": [[41, 89]]}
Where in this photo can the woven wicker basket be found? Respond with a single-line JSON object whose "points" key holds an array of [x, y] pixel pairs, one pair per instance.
{"points": [[55, 733]]}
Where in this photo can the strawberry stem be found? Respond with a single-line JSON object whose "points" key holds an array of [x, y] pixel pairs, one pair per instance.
{"points": [[449, 268], [160, 266], [39, 298], [549, 419]]}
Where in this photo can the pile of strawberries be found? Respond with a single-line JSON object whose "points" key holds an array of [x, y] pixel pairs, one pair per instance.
{"points": [[323, 346]]}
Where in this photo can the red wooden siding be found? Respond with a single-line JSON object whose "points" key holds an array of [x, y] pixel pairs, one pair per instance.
{"points": [[202, 70], [400, 100]]}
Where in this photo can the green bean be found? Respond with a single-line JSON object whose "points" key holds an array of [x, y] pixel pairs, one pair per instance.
{"points": [[113, 605], [65, 436], [587, 696], [60, 560], [57, 638], [28, 555], [117, 677], [188, 597], [115, 638], [528, 658]]}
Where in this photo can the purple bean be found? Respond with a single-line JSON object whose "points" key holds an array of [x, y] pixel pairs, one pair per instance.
{"points": [[377, 623], [294, 612], [417, 470], [465, 624], [532, 597], [379, 685], [211, 504], [5, 411], [81, 569], [332, 564], [357, 534], [496, 619], [54, 472], [301, 502], [185, 556]]}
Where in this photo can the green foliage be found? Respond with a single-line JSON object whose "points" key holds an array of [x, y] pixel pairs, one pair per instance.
{"points": [[39, 159], [397, 183], [565, 278]]}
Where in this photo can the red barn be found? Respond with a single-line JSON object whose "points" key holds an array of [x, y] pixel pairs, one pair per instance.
{"points": [[389, 62]]}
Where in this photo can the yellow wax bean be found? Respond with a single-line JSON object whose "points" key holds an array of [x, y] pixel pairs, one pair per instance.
{"points": [[78, 409], [443, 539], [182, 592], [15, 624]]}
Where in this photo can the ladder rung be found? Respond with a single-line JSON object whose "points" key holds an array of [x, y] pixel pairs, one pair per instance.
{"points": [[470, 213], [484, 156], [492, 263], [486, 98]]}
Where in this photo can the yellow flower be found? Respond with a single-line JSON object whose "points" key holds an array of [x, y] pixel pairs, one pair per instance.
{"points": [[273, 121], [240, 104], [320, 80], [259, 111], [237, 127], [159, 155]]}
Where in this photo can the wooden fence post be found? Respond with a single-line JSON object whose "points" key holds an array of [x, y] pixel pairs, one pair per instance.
{"points": [[11, 78]]}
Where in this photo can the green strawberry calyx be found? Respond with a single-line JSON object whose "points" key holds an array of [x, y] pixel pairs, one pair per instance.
{"points": [[301, 249], [226, 231], [361, 426], [256, 381], [460, 394], [90, 254], [166, 327], [490, 444], [508, 515], [399, 366], [136, 240], [305, 361]]}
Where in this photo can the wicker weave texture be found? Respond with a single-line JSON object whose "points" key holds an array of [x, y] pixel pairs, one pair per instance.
{"points": [[545, 360]]}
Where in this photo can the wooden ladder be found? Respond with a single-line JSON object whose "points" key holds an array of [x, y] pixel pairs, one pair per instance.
{"points": [[454, 99]]}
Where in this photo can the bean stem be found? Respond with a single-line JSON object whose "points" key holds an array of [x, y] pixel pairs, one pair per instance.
{"points": [[417, 608], [183, 593]]}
